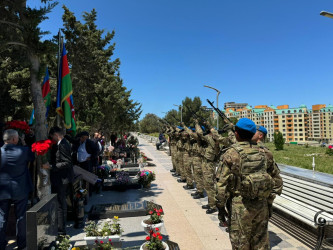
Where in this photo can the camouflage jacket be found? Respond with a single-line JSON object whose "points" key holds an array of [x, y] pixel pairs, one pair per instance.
{"points": [[229, 170], [210, 151]]}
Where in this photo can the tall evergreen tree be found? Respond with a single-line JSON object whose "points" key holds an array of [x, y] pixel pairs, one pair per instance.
{"points": [[20, 32], [101, 100]]}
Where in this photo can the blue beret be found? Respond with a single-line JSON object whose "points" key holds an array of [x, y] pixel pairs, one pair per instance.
{"points": [[247, 124], [180, 127], [262, 129]]}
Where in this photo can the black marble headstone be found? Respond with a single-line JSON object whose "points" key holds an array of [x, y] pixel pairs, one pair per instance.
{"points": [[42, 223], [128, 209]]}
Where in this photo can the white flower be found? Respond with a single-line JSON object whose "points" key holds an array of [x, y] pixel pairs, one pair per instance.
{"points": [[57, 242]]}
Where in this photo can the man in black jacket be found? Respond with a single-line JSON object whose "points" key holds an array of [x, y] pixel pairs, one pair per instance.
{"points": [[61, 174]]}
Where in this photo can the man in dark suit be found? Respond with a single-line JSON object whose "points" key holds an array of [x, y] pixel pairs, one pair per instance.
{"points": [[61, 174], [15, 185]]}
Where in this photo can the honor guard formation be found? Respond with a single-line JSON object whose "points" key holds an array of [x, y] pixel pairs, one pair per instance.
{"points": [[235, 169]]}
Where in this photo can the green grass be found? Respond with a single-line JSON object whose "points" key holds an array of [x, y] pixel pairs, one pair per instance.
{"points": [[300, 156]]}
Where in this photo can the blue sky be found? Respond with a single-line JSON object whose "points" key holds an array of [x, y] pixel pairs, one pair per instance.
{"points": [[260, 52]]}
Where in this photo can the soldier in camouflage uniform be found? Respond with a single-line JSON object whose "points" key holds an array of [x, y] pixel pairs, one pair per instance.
{"points": [[187, 160], [173, 149], [197, 164], [242, 177], [180, 155], [272, 168], [211, 148]]}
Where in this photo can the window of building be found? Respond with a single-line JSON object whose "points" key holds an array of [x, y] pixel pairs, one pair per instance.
{"points": [[300, 120], [283, 125], [301, 134], [295, 129], [295, 120], [299, 115], [301, 139], [301, 125], [283, 116]]}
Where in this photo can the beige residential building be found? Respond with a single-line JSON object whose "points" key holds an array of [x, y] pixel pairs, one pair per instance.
{"points": [[321, 123]]}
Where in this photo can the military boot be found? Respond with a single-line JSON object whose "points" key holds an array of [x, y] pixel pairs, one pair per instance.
{"points": [[188, 187], [198, 196]]}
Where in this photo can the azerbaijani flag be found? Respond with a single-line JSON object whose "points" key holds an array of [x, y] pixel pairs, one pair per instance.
{"points": [[46, 93], [65, 104]]}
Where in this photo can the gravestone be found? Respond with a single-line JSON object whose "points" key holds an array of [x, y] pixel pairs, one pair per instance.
{"points": [[42, 223], [128, 209], [111, 184]]}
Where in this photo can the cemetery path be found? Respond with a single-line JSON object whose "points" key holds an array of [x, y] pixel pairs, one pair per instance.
{"points": [[185, 221]]}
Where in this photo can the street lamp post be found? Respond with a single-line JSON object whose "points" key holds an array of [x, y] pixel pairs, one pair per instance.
{"points": [[217, 101], [326, 14], [181, 111]]}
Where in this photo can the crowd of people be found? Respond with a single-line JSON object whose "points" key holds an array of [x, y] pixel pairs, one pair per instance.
{"points": [[66, 151], [237, 172]]}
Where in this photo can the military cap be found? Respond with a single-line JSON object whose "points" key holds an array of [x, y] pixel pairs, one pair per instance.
{"points": [[262, 129], [247, 124]]}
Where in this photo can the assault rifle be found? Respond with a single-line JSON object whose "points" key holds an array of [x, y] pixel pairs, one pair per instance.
{"points": [[222, 115], [196, 116]]}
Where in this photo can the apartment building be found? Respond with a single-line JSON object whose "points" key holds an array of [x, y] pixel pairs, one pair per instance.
{"points": [[234, 105], [321, 123], [292, 122]]}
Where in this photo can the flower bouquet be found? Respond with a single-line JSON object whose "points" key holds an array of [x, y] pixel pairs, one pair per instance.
{"points": [[103, 172], [154, 221], [110, 229], [154, 241], [145, 177], [21, 126], [122, 177], [104, 245], [41, 147]]}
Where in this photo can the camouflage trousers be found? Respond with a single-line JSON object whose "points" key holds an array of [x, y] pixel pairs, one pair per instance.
{"points": [[188, 168], [180, 164], [249, 224], [208, 171], [197, 173], [173, 157]]}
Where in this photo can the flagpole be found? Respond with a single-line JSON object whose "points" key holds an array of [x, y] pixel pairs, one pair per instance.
{"points": [[58, 74]]}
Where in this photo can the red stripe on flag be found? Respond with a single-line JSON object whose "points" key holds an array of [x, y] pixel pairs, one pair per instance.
{"points": [[65, 68], [46, 88]]}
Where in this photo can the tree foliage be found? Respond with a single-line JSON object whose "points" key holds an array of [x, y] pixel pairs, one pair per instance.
{"points": [[278, 140], [101, 99], [150, 124]]}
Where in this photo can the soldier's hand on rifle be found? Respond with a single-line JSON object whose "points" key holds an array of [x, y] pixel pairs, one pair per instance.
{"points": [[227, 127]]}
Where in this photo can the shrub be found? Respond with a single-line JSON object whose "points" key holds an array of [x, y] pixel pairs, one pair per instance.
{"points": [[278, 140], [329, 151]]}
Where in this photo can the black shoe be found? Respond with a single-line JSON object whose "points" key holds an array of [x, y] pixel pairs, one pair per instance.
{"points": [[205, 206], [180, 180], [194, 194], [223, 224], [172, 171], [176, 175], [198, 196], [187, 187], [211, 211]]}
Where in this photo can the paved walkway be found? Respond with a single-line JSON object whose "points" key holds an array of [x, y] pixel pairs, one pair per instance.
{"points": [[185, 221]]}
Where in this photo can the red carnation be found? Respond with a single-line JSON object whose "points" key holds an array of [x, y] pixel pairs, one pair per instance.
{"points": [[158, 234], [147, 238], [154, 235], [160, 237], [158, 214], [101, 242], [161, 210], [150, 212], [157, 229]]}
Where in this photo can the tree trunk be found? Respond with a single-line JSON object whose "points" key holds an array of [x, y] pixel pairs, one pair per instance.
{"points": [[43, 182]]}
